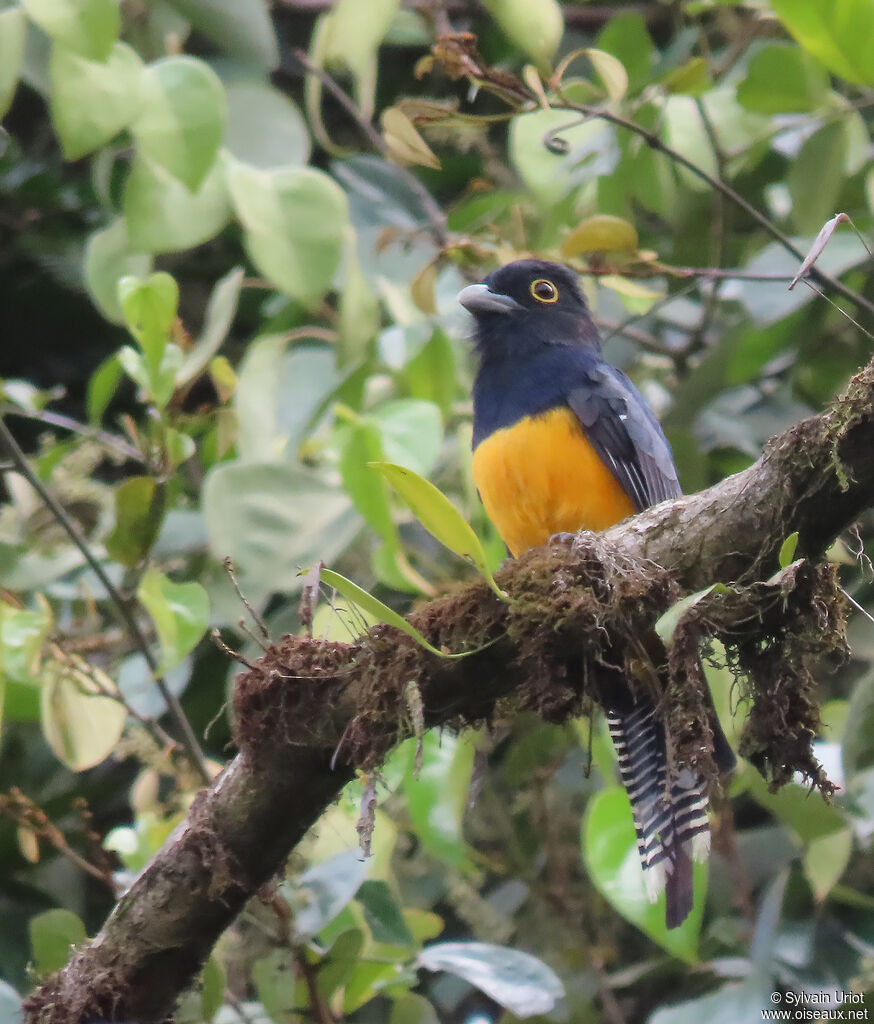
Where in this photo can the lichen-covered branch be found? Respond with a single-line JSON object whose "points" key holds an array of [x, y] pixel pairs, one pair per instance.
{"points": [[310, 712]]}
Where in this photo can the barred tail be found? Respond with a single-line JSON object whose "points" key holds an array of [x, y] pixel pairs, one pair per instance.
{"points": [[671, 821]]}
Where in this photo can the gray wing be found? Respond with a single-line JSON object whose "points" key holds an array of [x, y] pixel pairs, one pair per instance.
{"points": [[622, 429]]}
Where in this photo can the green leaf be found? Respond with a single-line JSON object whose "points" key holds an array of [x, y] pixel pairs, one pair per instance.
{"points": [[180, 612], [279, 390], [600, 233], [610, 71], [241, 28], [666, 624], [22, 634], [340, 961], [10, 1005], [728, 1004], [163, 216], [13, 30], [273, 519], [439, 517], [322, 891], [149, 308], [295, 219], [613, 864], [265, 128], [534, 26], [836, 32], [591, 150], [436, 798], [80, 724], [139, 514], [826, 859], [517, 981], [381, 612], [411, 431], [691, 78], [783, 80], [353, 32], [367, 980], [787, 550], [412, 1009], [108, 258], [91, 101], [277, 985], [89, 27], [212, 988], [816, 176], [857, 748], [806, 813], [366, 489], [430, 375], [158, 383], [627, 38], [52, 933], [383, 915], [220, 312], [182, 120]]}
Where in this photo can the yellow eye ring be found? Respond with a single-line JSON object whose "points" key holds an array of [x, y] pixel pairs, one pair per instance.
{"points": [[544, 291]]}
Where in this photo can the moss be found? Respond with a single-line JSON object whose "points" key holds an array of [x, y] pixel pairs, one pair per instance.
{"points": [[579, 618], [851, 408]]}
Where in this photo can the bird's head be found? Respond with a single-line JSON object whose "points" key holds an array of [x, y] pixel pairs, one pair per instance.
{"points": [[529, 303]]}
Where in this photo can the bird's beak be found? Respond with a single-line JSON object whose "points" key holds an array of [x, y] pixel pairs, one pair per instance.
{"points": [[478, 298]]}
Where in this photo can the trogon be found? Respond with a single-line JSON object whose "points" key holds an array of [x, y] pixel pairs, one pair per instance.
{"points": [[563, 441]]}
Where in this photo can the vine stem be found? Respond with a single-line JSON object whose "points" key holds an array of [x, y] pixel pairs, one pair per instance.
{"points": [[186, 733]]}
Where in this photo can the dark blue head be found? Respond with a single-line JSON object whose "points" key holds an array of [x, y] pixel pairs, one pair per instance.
{"points": [[526, 306]]}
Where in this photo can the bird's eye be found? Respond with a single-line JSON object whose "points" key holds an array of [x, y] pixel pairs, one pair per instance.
{"points": [[544, 291]]}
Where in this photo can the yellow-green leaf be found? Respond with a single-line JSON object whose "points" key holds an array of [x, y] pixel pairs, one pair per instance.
{"points": [[535, 26], [825, 860], [80, 723], [439, 516], [373, 606], [667, 624], [601, 233], [13, 29], [631, 289], [405, 144], [180, 612], [139, 512], [611, 71], [787, 550]]}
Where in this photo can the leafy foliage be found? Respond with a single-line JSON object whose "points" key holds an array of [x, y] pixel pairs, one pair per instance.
{"points": [[231, 331]]}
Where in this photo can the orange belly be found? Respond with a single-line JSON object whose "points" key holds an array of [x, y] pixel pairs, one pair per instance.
{"points": [[541, 476]]}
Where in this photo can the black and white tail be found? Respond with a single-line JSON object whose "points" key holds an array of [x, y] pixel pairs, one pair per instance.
{"points": [[670, 814]]}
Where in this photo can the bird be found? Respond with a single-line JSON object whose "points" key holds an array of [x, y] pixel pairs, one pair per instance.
{"points": [[563, 441]]}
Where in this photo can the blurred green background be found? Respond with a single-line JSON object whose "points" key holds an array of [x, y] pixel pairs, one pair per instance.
{"points": [[231, 236]]}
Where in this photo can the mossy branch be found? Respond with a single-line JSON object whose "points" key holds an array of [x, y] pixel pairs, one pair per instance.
{"points": [[310, 712]]}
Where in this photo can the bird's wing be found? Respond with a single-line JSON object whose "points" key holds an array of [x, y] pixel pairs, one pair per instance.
{"points": [[622, 429]]}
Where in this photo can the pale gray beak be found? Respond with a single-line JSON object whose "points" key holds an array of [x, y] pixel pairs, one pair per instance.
{"points": [[477, 298]]}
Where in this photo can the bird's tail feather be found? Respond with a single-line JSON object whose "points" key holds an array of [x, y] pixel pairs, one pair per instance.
{"points": [[670, 815]]}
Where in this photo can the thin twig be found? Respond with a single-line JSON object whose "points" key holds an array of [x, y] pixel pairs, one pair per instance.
{"points": [[188, 739], [319, 1009], [56, 419], [25, 813], [256, 618]]}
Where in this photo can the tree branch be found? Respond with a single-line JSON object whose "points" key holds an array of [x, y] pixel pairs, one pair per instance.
{"points": [[309, 711]]}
